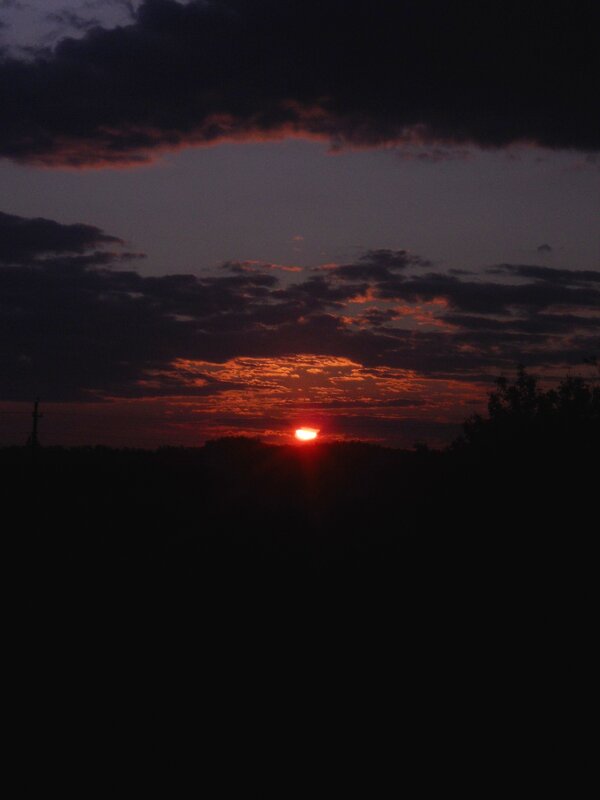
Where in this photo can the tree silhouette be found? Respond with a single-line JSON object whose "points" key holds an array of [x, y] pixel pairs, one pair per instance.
{"points": [[522, 415]]}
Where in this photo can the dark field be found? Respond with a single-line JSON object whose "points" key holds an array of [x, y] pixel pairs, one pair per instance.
{"points": [[340, 587]]}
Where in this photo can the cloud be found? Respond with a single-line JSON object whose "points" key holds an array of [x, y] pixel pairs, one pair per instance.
{"points": [[551, 288], [378, 265], [254, 266], [560, 277], [78, 323], [349, 73], [22, 240], [68, 18]]}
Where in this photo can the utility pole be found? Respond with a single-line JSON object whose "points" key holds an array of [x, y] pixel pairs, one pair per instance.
{"points": [[34, 431]]}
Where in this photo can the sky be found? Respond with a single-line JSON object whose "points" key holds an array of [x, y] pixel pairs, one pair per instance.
{"points": [[242, 216]]}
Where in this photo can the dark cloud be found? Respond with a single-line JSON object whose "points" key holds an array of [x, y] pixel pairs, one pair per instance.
{"points": [[351, 73], [74, 327], [321, 292], [544, 249], [394, 402], [562, 277], [541, 324], [375, 317], [492, 298], [22, 239], [378, 265]]}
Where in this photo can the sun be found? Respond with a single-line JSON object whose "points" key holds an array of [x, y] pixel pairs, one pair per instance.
{"points": [[306, 434]]}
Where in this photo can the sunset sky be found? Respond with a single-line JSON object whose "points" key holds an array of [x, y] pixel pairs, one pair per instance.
{"points": [[247, 216]]}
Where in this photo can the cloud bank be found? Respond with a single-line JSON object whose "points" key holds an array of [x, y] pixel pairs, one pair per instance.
{"points": [[349, 73], [78, 323]]}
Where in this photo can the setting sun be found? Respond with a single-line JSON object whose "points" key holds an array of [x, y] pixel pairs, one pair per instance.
{"points": [[306, 434]]}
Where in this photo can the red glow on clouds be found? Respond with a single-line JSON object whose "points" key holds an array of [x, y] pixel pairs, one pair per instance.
{"points": [[129, 146], [258, 397]]}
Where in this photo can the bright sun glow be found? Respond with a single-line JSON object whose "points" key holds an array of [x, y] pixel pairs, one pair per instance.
{"points": [[306, 434]]}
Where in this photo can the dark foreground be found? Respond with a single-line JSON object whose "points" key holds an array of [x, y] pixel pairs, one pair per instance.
{"points": [[239, 538], [318, 607], [418, 617]]}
